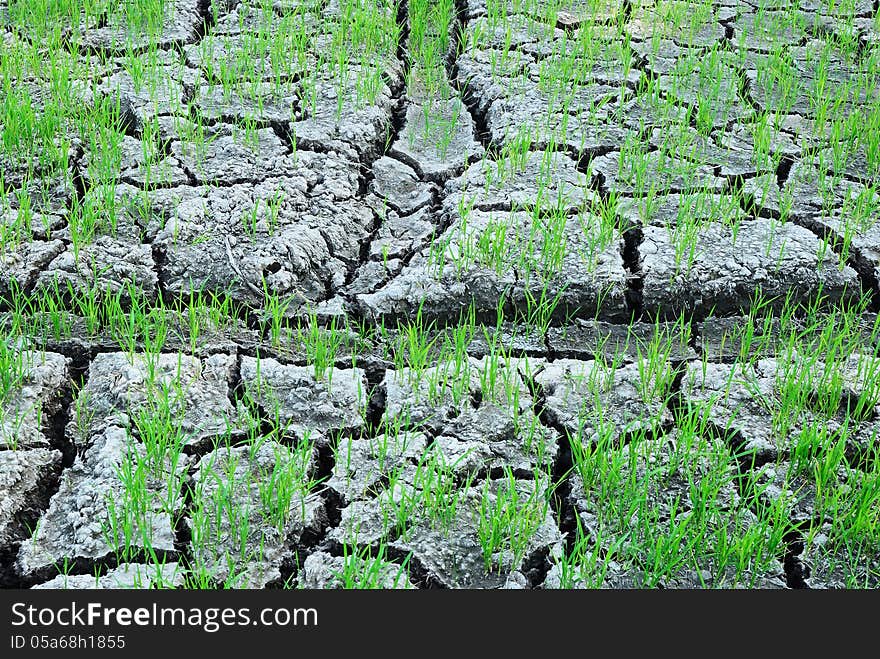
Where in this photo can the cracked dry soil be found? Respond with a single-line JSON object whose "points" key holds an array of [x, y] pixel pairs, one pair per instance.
{"points": [[406, 206]]}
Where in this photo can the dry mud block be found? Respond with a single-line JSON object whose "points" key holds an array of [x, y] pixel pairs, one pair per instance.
{"points": [[479, 411], [834, 567], [321, 570], [293, 237], [399, 186], [503, 74], [109, 265], [769, 407], [26, 477], [448, 427], [21, 264], [665, 210], [642, 505], [276, 103], [127, 575], [140, 164], [725, 339], [649, 19], [330, 118], [452, 417], [16, 223], [698, 76], [835, 549], [761, 32], [512, 338], [46, 194], [737, 155], [491, 535], [628, 173], [39, 381], [306, 404], [817, 69], [808, 193], [179, 24], [526, 34], [131, 390], [130, 423], [535, 179], [475, 74], [487, 257], [251, 510], [528, 114], [130, 208], [438, 138], [114, 498], [597, 402], [715, 271], [860, 239], [361, 465], [516, 511], [230, 155], [571, 15], [160, 92]]}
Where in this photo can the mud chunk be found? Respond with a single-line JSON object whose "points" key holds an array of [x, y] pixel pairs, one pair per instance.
{"points": [[178, 23], [251, 507], [261, 102], [321, 570], [26, 476], [715, 271], [598, 402], [304, 403], [634, 173], [130, 389], [330, 117], [488, 257], [110, 265], [550, 180], [399, 236], [22, 263], [438, 137], [662, 473], [590, 339], [292, 237]]}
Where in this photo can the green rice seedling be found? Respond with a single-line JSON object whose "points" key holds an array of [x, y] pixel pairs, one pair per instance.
{"points": [[553, 244], [215, 514], [322, 345], [163, 441], [492, 245], [275, 311], [435, 497], [361, 569], [684, 236], [507, 519], [14, 365], [285, 488], [415, 343], [451, 378]]}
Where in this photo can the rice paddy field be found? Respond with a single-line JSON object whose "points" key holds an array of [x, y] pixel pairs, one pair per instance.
{"points": [[472, 294]]}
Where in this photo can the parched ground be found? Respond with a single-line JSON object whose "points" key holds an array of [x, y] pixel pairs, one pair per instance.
{"points": [[435, 293]]}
